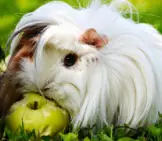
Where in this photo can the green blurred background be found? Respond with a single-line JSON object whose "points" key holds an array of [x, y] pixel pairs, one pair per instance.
{"points": [[12, 10]]}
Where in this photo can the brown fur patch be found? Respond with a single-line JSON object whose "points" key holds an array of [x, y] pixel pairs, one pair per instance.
{"points": [[26, 50], [8, 92], [26, 47], [91, 37]]}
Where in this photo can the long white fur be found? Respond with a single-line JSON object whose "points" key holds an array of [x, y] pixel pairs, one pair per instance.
{"points": [[124, 81]]}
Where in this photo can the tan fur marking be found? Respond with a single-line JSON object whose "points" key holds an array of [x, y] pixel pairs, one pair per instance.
{"points": [[91, 37]]}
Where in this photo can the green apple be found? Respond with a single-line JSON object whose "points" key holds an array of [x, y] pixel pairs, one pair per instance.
{"points": [[37, 113]]}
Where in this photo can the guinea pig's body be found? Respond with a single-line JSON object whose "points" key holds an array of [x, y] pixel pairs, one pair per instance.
{"points": [[103, 68]]}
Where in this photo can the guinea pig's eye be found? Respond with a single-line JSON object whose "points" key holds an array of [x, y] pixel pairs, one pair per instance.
{"points": [[70, 59]]}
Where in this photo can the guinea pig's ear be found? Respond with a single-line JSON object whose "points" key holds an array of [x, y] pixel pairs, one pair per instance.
{"points": [[26, 46]]}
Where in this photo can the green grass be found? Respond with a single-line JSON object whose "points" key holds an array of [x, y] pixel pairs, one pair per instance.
{"points": [[109, 133]]}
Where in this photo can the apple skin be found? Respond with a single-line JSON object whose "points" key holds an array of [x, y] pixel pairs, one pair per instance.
{"points": [[46, 118]]}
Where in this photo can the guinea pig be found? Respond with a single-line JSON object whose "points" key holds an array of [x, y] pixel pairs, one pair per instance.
{"points": [[101, 67]]}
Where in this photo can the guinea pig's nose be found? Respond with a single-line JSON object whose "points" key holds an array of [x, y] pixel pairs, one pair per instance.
{"points": [[91, 37]]}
